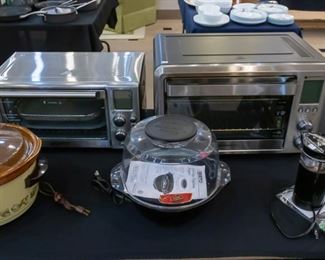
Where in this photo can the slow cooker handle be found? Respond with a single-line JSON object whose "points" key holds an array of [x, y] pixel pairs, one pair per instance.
{"points": [[38, 172]]}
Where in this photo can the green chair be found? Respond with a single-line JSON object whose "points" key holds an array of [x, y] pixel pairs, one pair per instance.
{"points": [[133, 14]]}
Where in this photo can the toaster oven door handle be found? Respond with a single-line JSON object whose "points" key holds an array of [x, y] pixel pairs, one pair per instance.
{"points": [[231, 90], [54, 94]]}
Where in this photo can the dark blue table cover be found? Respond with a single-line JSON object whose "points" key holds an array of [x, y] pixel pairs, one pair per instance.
{"points": [[188, 12]]}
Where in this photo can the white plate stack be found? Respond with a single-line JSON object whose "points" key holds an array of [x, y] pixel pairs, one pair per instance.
{"points": [[249, 13], [249, 16], [273, 8], [244, 6], [281, 19]]}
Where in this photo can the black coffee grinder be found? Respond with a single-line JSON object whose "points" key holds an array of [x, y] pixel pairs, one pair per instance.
{"points": [[300, 209], [309, 190]]}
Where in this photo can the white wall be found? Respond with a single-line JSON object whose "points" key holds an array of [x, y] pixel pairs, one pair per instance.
{"points": [[167, 4]]}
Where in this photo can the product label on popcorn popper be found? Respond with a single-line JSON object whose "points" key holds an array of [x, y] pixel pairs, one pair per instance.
{"points": [[170, 184]]}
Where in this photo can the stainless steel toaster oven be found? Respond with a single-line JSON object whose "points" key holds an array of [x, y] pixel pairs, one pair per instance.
{"points": [[256, 92], [73, 99]]}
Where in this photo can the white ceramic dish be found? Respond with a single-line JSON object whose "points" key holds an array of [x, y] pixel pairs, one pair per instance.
{"points": [[247, 22], [273, 8], [238, 19], [201, 21], [225, 10], [252, 15], [211, 13], [199, 8], [244, 6], [281, 19], [226, 5]]}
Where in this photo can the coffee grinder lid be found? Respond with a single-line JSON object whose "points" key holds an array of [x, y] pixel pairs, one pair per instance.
{"points": [[314, 145], [171, 128]]}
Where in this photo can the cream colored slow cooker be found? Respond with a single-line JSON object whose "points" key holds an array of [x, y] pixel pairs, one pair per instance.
{"points": [[19, 170]]}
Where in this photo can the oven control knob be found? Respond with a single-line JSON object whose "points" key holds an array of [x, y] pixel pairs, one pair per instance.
{"points": [[133, 119], [120, 135], [297, 141], [119, 120], [305, 125]]}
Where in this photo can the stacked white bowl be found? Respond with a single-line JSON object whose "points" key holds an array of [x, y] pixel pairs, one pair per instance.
{"points": [[225, 5], [210, 13]]}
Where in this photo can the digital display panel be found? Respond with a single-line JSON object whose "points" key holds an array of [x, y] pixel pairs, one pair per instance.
{"points": [[311, 91], [122, 99]]}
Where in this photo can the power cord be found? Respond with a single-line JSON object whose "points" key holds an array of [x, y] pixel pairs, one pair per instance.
{"points": [[102, 184], [312, 227]]}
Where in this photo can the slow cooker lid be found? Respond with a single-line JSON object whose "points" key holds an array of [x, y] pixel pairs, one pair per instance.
{"points": [[18, 147], [11, 147]]}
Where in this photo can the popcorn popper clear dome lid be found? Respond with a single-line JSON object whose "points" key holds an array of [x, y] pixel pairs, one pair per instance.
{"points": [[170, 163]]}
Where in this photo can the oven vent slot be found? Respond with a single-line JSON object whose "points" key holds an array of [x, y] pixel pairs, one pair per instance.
{"points": [[280, 79], [296, 47], [231, 86]]}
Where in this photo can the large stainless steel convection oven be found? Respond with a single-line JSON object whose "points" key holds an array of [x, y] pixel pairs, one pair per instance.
{"points": [[85, 99], [256, 92]]}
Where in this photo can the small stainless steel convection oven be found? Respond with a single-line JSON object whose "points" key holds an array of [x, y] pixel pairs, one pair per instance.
{"points": [[256, 92], [84, 99]]}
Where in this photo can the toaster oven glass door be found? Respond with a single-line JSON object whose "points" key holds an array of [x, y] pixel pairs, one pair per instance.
{"points": [[235, 118], [64, 117], [245, 113]]}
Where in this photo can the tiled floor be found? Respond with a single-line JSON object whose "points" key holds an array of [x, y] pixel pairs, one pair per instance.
{"points": [[315, 37], [146, 45]]}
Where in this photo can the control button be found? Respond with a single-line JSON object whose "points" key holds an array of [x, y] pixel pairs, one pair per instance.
{"points": [[300, 110], [120, 135], [314, 110], [307, 110], [305, 125], [133, 119], [119, 120]]}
